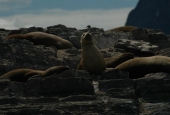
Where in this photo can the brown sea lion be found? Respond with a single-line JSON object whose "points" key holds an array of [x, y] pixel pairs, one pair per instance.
{"points": [[139, 67], [47, 72], [16, 75], [114, 61], [22, 75], [41, 38], [123, 29], [92, 59]]}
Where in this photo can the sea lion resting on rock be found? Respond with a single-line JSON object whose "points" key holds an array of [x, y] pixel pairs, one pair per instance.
{"points": [[16, 75], [47, 72], [114, 61], [22, 75], [123, 29], [41, 38], [139, 67], [92, 59]]}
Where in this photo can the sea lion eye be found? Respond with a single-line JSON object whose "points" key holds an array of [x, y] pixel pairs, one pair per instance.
{"points": [[83, 34]]}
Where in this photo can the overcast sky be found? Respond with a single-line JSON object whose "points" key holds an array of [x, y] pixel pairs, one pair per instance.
{"points": [[104, 14]]}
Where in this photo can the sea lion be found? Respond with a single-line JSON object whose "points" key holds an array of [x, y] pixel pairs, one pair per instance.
{"points": [[92, 59], [47, 72], [114, 61], [16, 75], [123, 29], [139, 67], [41, 38]]}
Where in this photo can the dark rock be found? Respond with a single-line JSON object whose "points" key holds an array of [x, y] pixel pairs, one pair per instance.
{"points": [[71, 57], [19, 31], [138, 48], [79, 98], [164, 52], [58, 27], [117, 83], [17, 88], [33, 87], [4, 87], [155, 108], [151, 14], [35, 29], [154, 87], [118, 88], [76, 85], [111, 73], [75, 41]]}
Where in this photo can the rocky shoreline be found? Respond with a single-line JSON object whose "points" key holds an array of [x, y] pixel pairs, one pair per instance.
{"points": [[77, 92]]}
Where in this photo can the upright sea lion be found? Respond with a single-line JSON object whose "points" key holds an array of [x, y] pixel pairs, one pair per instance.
{"points": [[139, 67], [41, 38], [47, 72], [92, 59], [16, 75], [114, 61]]}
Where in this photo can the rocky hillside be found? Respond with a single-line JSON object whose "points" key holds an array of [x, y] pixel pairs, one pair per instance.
{"points": [[77, 92], [151, 14]]}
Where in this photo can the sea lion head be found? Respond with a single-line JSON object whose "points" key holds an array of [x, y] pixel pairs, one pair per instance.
{"points": [[86, 39]]}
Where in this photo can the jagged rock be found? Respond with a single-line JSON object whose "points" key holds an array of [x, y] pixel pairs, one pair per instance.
{"points": [[79, 98], [17, 88], [71, 57], [35, 29], [137, 47], [154, 108], [164, 52], [154, 87], [75, 40], [154, 38], [75, 85], [62, 27], [17, 53], [111, 73], [123, 88], [4, 87], [33, 86], [150, 14]]}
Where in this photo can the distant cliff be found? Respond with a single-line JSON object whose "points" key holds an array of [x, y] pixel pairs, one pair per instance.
{"points": [[151, 14]]}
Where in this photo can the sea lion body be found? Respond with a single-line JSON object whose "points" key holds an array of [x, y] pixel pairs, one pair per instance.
{"points": [[42, 38], [123, 29], [139, 67], [16, 75], [92, 59], [47, 72], [22, 75], [112, 62]]}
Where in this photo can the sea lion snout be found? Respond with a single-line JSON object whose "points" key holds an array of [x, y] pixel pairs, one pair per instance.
{"points": [[88, 36]]}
